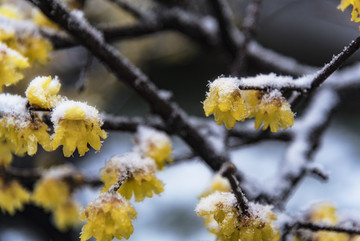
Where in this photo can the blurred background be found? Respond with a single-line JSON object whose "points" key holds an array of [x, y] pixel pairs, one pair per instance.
{"points": [[311, 31]]}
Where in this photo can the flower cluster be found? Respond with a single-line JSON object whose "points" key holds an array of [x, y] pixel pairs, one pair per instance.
{"points": [[324, 213], [108, 216], [344, 4], [225, 221], [12, 196], [154, 144], [230, 104], [139, 176], [53, 193], [76, 124], [18, 129], [23, 36]]}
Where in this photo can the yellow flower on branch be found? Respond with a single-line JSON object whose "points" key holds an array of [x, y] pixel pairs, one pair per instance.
{"points": [[225, 221], [50, 193], [42, 92], [76, 125], [325, 213], [224, 100], [344, 4], [5, 153], [66, 215], [218, 183], [274, 111], [12, 64], [154, 144], [138, 172], [22, 132], [12, 196], [10, 11], [109, 216]]}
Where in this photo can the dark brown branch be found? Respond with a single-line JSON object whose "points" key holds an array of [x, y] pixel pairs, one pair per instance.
{"points": [[308, 132], [172, 115], [319, 227], [30, 176], [252, 14], [228, 171], [223, 15]]}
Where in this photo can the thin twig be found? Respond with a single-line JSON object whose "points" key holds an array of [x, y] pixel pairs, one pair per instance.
{"points": [[173, 116], [252, 14], [80, 84], [115, 187], [228, 171]]}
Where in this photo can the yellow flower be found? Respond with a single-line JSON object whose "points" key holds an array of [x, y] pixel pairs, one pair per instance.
{"points": [[107, 217], [76, 125], [10, 11], [42, 92], [5, 154], [252, 100], [218, 183], [274, 111], [355, 11], [12, 196], [40, 19], [325, 213], [154, 144], [139, 173], [224, 220], [66, 215], [50, 193], [224, 100], [21, 131], [11, 65]]}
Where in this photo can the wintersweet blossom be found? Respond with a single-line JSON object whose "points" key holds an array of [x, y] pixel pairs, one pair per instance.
{"points": [[53, 193], [155, 144], [42, 92], [26, 40], [274, 111], [324, 213], [21, 131], [12, 196], [12, 63], [139, 176], [66, 215], [109, 216], [50, 193], [224, 100], [225, 221], [218, 183], [76, 125], [344, 4], [5, 153]]}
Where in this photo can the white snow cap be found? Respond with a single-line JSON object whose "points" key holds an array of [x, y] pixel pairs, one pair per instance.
{"points": [[14, 106], [211, 202], [92, 114], [131, 162], [226, 85], [114, 198]]}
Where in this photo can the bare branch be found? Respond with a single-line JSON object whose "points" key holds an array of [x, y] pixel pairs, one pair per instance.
{"points": [[320, 227], [252, 14]]}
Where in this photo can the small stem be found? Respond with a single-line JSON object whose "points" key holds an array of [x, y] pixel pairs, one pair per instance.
{"points": [[115, 187], [228, 170]]}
